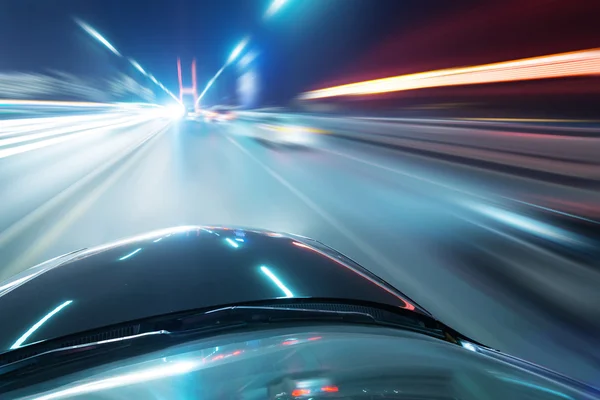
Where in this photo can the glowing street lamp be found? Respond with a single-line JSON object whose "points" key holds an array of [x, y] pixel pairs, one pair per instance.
{"points": [[238, 49], [232, 57], [94, 33], [274, 7], [137, 66]]}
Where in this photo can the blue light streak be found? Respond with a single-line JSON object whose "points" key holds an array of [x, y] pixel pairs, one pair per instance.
{"points": [[41, 322], [130, 254], [537, 387], [276, 281], [232, 243], [238, 50], [137, 66]]}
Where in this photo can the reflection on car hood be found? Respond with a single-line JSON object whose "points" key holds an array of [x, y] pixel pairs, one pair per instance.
{"points": [[300, 363], [174, 270]]}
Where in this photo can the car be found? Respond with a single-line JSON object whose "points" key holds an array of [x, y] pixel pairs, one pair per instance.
{"points": [[218, 115], [233, 313], [283, 130]]}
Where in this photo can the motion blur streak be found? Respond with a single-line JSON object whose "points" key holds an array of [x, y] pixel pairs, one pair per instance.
{"points": [[144, 375], [37, 325], [82, 130], [12, 127], [274, 7], [15, 102], [578, 63], [478, 198], [276, 281], [94, 33], [530, 225]]}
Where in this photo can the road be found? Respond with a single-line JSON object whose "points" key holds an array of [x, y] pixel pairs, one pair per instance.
{"points": [[502, 258]]}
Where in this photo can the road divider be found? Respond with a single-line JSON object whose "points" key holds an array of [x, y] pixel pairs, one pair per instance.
{"points": [[561, 158]]}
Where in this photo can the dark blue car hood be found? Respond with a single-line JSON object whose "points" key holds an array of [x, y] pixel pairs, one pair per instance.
{"points": [[175, 270]]}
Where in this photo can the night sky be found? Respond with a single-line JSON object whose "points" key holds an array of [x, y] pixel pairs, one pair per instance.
{"points": [[308, 44]]}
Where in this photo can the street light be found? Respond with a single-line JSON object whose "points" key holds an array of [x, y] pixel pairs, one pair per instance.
{"points": [[274, 7], [238, 49], [137, 66], [94, 33], [232, 57]]}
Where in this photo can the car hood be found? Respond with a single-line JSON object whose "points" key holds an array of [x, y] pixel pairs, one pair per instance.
{"points": [[174, 270]]}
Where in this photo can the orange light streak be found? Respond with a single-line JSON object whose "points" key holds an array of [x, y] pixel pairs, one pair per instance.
{"points": [[576, 63]]}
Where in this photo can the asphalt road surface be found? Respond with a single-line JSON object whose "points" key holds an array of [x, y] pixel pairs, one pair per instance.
{"points": [[509, 261]]}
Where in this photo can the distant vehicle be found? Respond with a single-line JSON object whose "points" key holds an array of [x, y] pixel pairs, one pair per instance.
{"points": [[218, 114], [282, 129], [226, 313]]}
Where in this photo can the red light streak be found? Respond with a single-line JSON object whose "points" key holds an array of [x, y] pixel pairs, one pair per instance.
{"points": [[407, 306], [315, 338], [330, 389], [300, 392]]}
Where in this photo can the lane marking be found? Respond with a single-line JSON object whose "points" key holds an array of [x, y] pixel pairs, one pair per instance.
{"points": [[391, 268], [454, 189], [12, 232]]}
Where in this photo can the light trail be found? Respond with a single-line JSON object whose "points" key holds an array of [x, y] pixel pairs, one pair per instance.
{"points": [[32, 125], [577, 63], [69, 134], [38, 324], [106, 121], [96, 35], [55, 103]]}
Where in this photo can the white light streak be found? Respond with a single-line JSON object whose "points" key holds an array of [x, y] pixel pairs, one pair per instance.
{"points": [[137, 66], [274, 7], [232, 243], [149, 374], [94, 33]]}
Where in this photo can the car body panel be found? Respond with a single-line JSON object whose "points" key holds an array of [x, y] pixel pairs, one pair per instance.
{"points": [[175, 270], [319, 362]]}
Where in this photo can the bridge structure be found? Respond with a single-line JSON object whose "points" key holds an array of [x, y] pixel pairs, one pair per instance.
{"points": [[189, 90]]}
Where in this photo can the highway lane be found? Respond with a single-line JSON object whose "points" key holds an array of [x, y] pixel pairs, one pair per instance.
{"points": [[453, 237]]}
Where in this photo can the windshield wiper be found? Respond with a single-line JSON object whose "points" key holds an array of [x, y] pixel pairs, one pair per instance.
{"points": [[50, 358]]}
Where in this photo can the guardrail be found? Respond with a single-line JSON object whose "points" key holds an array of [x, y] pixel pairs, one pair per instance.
{"points": [[566, 152]]}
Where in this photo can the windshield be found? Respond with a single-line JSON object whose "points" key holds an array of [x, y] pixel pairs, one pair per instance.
{"points": [[451, 148]]}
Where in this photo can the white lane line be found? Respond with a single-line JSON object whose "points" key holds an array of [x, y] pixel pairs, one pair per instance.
{"points": [[392, 269], [453, 188], [34, 217]]}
